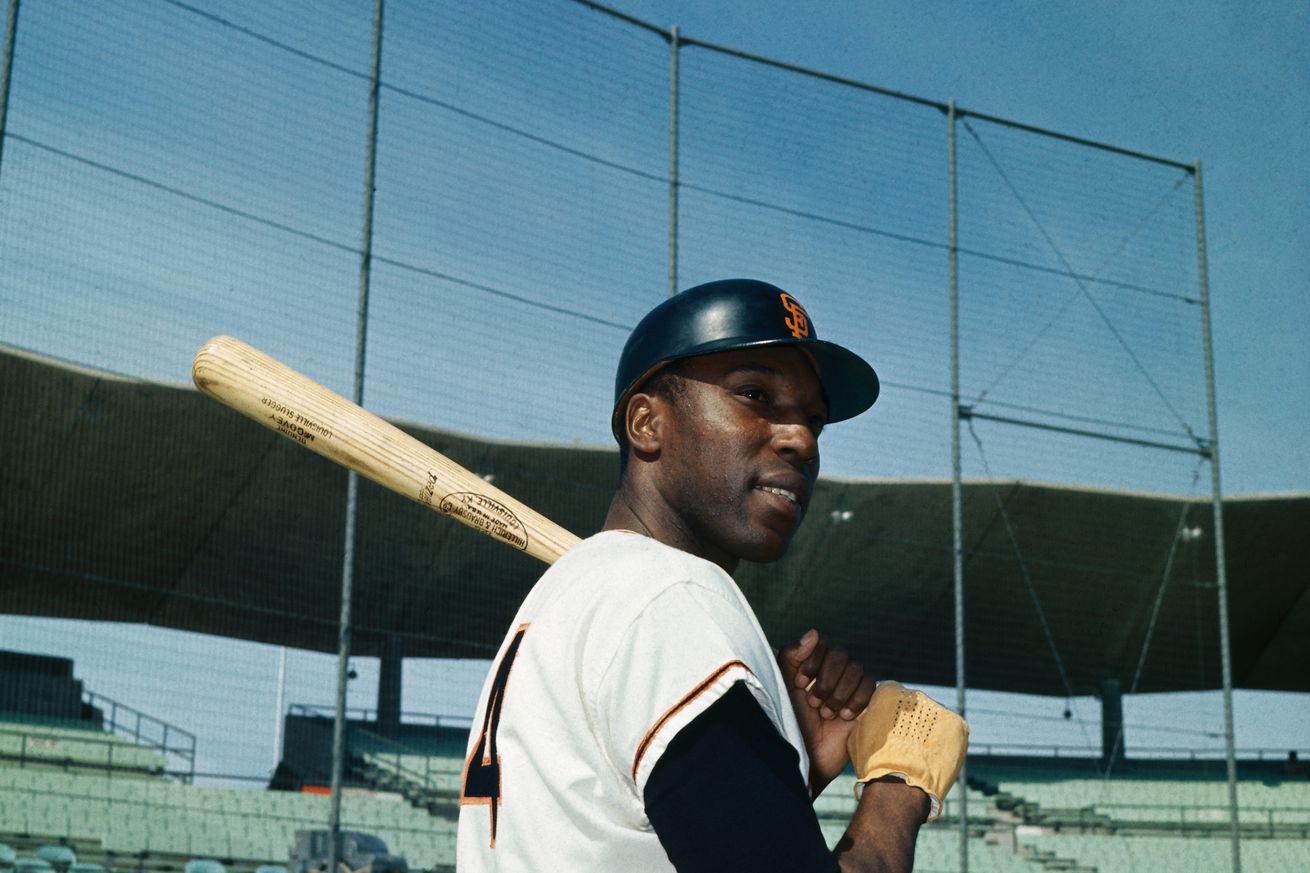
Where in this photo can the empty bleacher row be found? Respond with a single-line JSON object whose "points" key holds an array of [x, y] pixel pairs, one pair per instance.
{"points": [[432, 781], [1147, 797], [1173, 854], [24, 743], [154, 815], [1171, 817]]}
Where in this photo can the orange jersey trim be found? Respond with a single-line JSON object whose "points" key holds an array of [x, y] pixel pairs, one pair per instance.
{"points": [[677, 707]]}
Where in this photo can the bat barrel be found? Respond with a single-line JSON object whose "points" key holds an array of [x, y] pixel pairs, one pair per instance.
{"points": [[300, 409]]}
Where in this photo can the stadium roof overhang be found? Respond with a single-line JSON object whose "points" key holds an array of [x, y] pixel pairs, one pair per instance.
{"points": [[134, 501]]}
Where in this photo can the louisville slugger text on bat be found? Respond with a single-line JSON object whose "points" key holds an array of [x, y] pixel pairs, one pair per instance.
{"points": [[281, 399]]}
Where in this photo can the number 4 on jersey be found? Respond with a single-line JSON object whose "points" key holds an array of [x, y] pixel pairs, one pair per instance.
{"points": [[482, 771]]}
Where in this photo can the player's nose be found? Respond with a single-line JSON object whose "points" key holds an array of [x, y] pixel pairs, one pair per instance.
{"points": [[795, 440]]}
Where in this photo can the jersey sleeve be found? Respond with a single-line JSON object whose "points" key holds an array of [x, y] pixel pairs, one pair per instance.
{"points": [[727, 795], [680, 654]]}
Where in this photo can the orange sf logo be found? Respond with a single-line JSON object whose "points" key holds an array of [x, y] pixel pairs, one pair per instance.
{"points": [[799, 322]]}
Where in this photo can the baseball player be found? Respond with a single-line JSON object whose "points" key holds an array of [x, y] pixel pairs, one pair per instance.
{"points": [[636, 718]]}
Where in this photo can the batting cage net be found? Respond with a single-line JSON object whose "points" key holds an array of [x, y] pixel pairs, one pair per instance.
{"points": [[1024, 524]]}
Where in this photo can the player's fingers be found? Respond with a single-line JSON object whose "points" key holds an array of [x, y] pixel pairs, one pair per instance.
{"points": [[792, 658], [859, 698], [829, 674], [847, 682]]}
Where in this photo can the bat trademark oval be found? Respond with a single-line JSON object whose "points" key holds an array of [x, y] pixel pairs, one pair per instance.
{"points": [[487, 515]]}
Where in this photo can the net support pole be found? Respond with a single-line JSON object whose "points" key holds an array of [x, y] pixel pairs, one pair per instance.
{"points": [[1220, 562], [278, 704], [957, 490], [673, 160], [7, 70], [352, 481]]}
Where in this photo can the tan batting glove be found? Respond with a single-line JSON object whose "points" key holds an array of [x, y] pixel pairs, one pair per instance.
{"points": [[907, 734]]}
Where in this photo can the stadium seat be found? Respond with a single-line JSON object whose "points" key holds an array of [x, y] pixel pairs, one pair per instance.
{"points": [[203, 865], [32, 865], [59, 857]]}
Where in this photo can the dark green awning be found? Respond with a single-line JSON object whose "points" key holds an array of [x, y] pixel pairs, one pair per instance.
{"points": [[133, 501]]}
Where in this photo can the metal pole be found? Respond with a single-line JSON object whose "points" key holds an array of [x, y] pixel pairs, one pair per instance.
{"points": [[1221, 566], [673, 161], [281, 701], [6, 70], [352, 481], [957, 496]]}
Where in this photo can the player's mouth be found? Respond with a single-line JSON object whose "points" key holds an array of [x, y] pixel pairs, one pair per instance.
{"points": [[785, 500], [781, 492]]}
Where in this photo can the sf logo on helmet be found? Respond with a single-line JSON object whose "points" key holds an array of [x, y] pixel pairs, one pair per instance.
{"points": [[799, 322]]}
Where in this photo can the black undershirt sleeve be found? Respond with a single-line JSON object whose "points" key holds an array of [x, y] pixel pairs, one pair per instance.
{"points": [[727, 795]]}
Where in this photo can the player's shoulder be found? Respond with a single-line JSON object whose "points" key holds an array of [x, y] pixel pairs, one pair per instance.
{"points": [[628, 561], [615, 575]]}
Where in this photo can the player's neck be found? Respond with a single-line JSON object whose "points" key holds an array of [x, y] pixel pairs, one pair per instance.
{"points": [[628, 511]]}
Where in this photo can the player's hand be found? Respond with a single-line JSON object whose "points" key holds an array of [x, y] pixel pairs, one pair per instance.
{"points": [[828, 690]]}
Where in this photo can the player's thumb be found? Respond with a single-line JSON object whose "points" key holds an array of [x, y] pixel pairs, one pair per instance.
{"points": [[790, 658]]}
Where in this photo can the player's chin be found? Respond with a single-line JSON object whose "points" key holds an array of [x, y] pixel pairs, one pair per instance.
{"points": [[768, 545]]}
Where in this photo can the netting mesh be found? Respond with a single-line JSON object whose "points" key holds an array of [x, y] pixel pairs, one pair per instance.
{"points": [[173, 171]]}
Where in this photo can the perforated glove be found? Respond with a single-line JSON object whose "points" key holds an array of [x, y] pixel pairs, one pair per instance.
{"points": [[907, 734]]}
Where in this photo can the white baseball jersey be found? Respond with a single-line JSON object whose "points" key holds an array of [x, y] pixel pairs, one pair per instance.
{"points": [[619, 645]]}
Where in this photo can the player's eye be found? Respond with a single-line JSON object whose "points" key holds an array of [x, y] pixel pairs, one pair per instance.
{"points": [[817, 423], [757, 394]]}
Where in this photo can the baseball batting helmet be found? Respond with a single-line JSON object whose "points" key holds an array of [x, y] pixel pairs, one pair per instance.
{"points": [[738, 314]]}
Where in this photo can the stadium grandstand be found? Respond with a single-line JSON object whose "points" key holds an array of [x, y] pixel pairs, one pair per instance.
{"points": [[78, 790]]}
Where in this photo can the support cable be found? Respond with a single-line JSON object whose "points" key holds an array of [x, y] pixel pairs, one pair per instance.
{"points": [[1096, 274], [1082, 286], [1027, 578], [1164, 581], [1165, 575]]}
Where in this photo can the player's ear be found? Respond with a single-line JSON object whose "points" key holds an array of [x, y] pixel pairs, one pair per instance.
{"points": [[644, 421]]}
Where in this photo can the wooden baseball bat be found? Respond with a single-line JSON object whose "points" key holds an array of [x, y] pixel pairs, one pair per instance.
{"points": [[323, 421]]}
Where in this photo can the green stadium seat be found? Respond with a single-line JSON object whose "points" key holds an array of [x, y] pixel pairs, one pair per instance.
{"points": [[203, 865], [32, 865], [58, 856]]}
